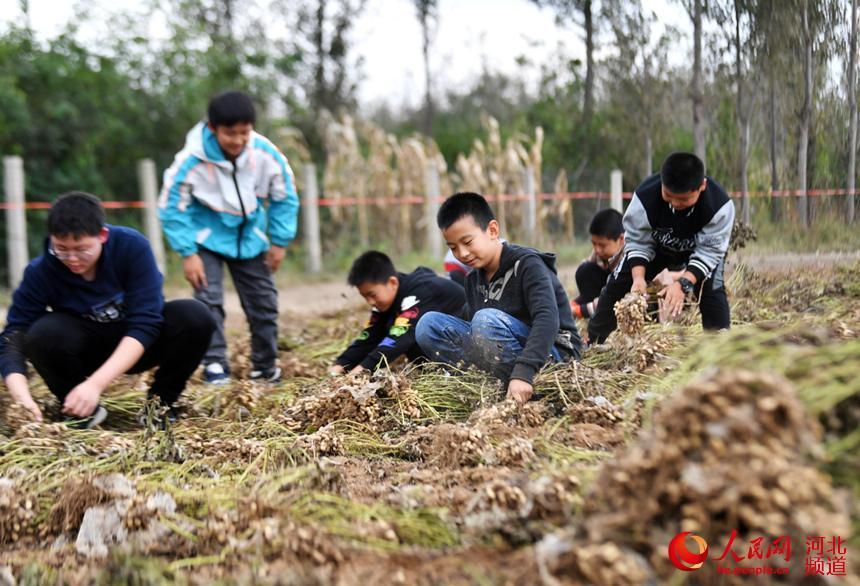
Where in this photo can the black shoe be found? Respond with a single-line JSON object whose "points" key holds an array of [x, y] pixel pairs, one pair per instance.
{"points": [[97, 417], [271, 375]]}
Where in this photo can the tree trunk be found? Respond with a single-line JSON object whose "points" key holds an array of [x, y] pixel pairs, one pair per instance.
{"points": [[805, 119], [649, 154], [775, 202], [319, 70], [588, 105], [745, 195], [743, 118], [852, 108], [428, 98], [698, 92]]}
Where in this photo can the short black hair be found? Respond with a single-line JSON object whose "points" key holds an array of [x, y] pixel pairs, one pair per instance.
{"points": [[371, 267], [464, 204], [76, 214], [231, 107], [682, 172], [607, 223]]}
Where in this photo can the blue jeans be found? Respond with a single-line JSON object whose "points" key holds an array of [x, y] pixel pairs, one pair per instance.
{"points": [[492, 341]]}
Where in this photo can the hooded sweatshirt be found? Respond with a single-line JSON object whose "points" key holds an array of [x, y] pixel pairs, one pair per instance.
{"points": [[526, 287], [126, 288], [211, 202], [391, 333]]}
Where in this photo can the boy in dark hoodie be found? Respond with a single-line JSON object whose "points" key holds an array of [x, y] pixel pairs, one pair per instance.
{"points": [[397, 302], [107, 316], [518, 315]]}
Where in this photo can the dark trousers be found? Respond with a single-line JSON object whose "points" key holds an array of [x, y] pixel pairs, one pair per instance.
{"points": [[590, 279], [66, 349], [713, 303], [259, 300]]}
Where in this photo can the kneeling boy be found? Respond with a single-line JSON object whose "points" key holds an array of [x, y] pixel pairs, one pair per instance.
{"points": [[607, 243], [108, 316], [397, 302], [518, 314]]}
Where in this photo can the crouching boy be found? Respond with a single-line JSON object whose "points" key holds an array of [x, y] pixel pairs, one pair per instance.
{"points": [[607, 243], [680, 220], [108, 316], [518, 315], [397, 302]]}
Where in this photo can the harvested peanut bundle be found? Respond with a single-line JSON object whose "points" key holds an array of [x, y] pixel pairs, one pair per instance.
{"points": [[731, 451], [632, 313], [499, 494], [456, 445], [597, 410], [396, 386], [16, 416], [516, 451], [326, 441], [17, 512], [350, 402]]}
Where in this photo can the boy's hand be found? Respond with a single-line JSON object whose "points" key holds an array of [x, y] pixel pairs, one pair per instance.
{"points": [[33, 409], [639, 286], [16, 384], [673, 298], [336, 370], [519, 390], [82, 400], [194, 272], [274, 257]]}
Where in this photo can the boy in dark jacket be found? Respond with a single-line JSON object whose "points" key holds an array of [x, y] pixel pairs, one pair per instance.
{"points": [[518, 315], [108, 316], [681, 220], [607, 243], [397, 302]]}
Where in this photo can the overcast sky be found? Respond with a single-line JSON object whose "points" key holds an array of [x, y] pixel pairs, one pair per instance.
{"points": [[388, 37]]}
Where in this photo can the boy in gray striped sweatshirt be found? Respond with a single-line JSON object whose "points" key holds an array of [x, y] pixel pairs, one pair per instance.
{"points": [[681, 220]]}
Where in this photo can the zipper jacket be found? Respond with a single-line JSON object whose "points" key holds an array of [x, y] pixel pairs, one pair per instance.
{"points": [[234, 208]]}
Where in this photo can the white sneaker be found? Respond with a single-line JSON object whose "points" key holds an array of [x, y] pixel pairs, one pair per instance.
{"points": [[215, 375]]}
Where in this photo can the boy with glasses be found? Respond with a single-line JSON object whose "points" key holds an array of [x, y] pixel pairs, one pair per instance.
{"points": [[107, 316]]}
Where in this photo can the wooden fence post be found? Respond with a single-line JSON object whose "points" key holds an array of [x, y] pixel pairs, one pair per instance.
{"points": [[615, 199], [531, 207], [311, 219], [147, 180], [16, 218], [432, 192]]}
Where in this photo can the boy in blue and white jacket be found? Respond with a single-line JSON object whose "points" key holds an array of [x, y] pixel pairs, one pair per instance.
{"points": [[230, 198]]}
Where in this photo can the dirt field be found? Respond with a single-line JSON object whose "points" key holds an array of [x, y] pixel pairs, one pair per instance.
{"points": [[424, 476]]}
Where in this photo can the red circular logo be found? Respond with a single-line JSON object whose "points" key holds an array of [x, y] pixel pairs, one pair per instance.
{"points": [[684, 559]]}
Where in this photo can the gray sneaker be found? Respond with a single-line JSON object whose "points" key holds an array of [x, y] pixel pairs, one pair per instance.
{"points": [[271, 375], [96, 418]]}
